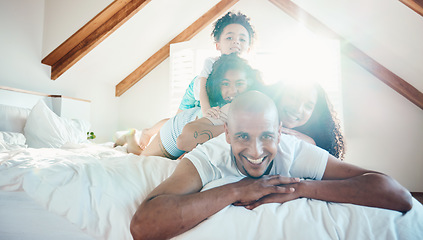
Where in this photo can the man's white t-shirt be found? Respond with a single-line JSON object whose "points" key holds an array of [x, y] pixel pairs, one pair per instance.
{"points": [[295, 158]]}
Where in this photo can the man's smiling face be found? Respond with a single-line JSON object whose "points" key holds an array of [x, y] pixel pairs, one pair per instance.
{"points": [[254, 139]]}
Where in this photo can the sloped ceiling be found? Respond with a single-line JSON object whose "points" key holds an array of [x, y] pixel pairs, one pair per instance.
{"points": [[416, 5], [90, 35], [385, 75], [82, 45]]}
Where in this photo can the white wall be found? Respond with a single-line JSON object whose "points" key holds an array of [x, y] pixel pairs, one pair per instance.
{"points": [[21, 44], [64, 18], [384, 131]]}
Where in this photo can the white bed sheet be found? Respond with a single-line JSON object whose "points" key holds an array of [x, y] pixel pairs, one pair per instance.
{"points": [[22, 218], [98, 189], [305, 219], [95, 187]]}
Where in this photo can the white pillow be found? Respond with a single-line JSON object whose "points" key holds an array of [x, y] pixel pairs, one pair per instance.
{"points": [[12, 138], [12, 119], [11, 141], [44, 128]]}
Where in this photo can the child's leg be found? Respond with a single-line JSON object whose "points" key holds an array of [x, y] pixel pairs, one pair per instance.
{"points": [[156, 148], [132, 145], [123, 139], [164, 143], [148, 133]]}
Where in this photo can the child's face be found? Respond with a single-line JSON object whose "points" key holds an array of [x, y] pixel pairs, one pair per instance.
{"points": [[233, 83], [234, 38]]}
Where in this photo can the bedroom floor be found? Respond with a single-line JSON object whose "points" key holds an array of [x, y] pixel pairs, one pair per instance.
{"points": [[418, 196]]}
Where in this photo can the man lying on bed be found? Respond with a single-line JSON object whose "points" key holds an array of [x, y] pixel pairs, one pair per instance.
{"points": [[272, 164]]}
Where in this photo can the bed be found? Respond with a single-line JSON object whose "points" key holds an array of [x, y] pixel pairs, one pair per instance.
{"points": [[55, 184]]}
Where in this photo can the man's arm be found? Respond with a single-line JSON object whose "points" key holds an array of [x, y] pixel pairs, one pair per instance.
{"points": [[197, 132], [346, 183], [176, 205], [359, 186]]}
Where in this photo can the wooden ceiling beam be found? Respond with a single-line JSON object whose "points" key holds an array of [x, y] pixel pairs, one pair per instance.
{"points": [[415, 5], [389, 78], [91, 34], [164, 52], [349, 50]]}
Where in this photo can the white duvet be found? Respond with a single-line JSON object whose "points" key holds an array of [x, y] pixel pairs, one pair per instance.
{"points": [[98, 189], [95, 187]]}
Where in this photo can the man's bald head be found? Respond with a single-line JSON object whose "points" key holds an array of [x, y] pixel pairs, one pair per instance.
{"points": [[253, 131], [253, 102]]}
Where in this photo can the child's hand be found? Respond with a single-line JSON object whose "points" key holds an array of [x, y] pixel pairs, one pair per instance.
{"points": [[213, 112]]}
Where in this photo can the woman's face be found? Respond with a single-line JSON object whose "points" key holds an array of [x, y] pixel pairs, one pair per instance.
{"points": [[234, 82], [296, 105]]}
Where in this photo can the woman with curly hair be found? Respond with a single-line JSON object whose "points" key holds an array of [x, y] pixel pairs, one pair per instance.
{"points": [[305, 112]]}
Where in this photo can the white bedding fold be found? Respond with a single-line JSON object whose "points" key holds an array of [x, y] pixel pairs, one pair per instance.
{"points": [[98, 189], [308, 219]]}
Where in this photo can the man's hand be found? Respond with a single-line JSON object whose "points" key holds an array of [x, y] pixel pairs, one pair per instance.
{"points": [[271, 198], [254, 192]]}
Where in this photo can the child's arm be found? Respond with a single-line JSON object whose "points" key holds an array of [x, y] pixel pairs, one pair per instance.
{"points": [[204, 98]]}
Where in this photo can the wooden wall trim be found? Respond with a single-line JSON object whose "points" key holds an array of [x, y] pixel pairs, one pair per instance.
{"points": [[40, 94], [23, 91], [349, 50], [78, 99], [164, 53], [91, 34], [415, 5]]}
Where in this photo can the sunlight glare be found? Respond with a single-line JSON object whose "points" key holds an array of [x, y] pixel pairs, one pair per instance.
{"points": [[301, 57]]}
